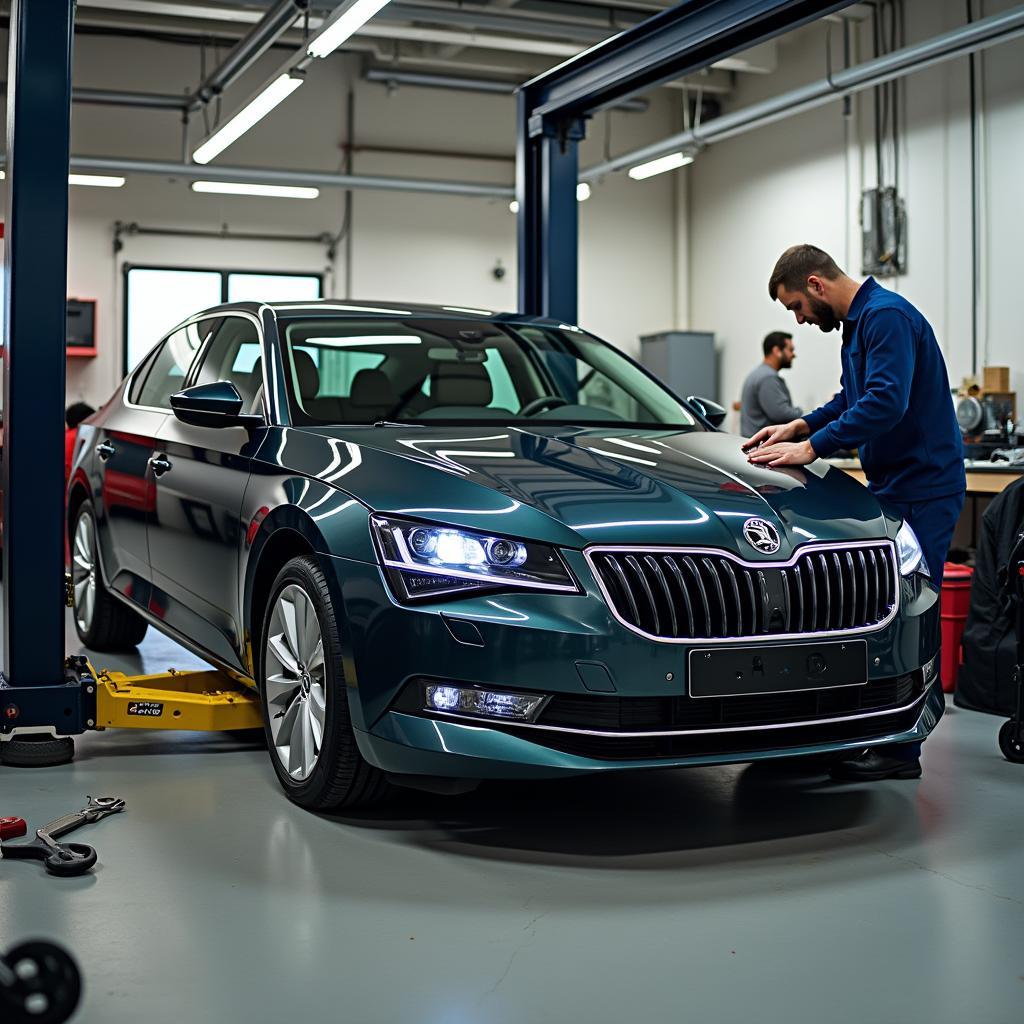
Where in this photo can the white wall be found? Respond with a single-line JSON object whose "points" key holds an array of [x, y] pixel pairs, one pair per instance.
{"points": [[798, 181], [405, 246]]}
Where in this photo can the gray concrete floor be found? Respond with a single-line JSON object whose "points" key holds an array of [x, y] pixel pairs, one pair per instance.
{"points": [[706, 895]]}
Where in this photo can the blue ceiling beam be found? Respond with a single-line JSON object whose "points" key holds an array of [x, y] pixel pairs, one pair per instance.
{"points": [[552, 109]]}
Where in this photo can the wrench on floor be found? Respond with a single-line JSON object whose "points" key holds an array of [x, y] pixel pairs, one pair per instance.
{"points": [[65, 858]]}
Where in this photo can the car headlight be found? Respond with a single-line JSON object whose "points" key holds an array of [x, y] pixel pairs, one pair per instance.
{"points": [[426, 560], [908, 547]]}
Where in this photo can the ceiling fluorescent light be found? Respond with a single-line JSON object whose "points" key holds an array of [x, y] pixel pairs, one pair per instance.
{"points": [[96, 180], [255, 110], [243, 188], [659, 166], [347, 19]]}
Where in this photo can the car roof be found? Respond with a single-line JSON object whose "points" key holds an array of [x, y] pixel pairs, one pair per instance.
{"points": [[385, 309]]}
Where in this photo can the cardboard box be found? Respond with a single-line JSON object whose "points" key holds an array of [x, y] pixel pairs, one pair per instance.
{"points": [[996, 378]]}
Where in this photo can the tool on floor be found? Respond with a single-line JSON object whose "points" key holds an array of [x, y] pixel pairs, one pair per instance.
{"points": [[65, 858], [39, 983], [1011, 735], [12, 828]]}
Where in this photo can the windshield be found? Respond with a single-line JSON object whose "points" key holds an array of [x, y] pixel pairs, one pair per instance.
{"points": [[423, 370]]}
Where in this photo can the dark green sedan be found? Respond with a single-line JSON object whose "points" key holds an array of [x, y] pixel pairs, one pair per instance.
{"points": [[447, 545]]}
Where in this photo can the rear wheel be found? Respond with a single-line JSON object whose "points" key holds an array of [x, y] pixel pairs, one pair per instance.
{"points": [[102, 621], [305, 706]]}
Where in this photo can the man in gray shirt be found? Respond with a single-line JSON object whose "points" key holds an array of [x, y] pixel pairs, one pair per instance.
{"points": [[765, 399]]}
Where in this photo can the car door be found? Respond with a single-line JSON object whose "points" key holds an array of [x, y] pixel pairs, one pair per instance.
{"points": [[200, 478], [123, 445]]}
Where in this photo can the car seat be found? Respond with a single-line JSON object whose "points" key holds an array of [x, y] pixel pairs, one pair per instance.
{"points": [[372, 396]]}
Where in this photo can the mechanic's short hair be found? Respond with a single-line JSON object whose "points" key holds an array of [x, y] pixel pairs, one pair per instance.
{"points": [[76, 412], [797, 264], [777, 339]]}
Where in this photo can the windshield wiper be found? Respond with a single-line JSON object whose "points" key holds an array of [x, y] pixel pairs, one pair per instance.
{"points": [[394, 423]]}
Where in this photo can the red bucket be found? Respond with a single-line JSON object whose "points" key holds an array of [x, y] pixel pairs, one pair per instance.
{"points": [[955, 599]]}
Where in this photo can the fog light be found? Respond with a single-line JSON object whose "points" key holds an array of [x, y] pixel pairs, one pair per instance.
{"points": [[517, 707], [931, 669]]}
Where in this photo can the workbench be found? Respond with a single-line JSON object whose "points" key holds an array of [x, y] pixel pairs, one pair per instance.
{"points": [[984, 481]]}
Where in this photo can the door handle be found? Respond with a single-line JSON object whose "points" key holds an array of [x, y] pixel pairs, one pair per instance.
{"points": [[105, 450], [160, 464]]}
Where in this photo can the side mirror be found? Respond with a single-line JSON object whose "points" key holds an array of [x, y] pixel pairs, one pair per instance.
{"points": [[212, 405], [711, 411]]}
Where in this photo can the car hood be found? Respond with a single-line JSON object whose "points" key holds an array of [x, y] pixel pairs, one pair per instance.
{"points": [[579, 486]]}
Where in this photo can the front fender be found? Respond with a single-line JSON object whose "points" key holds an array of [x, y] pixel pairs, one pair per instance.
{"points": [[288, 512]]}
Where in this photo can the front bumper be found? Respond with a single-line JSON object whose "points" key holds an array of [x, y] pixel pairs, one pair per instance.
{"points": [[544, 643]]}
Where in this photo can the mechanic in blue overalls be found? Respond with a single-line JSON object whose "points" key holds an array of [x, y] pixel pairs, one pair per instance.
{"points": [[894, 406]]}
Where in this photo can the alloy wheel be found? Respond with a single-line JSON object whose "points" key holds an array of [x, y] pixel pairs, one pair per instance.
{"points": [[83, 572], [296, 690]]}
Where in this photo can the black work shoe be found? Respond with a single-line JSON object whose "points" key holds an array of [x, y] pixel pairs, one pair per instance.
{"points": [[873, 765]]}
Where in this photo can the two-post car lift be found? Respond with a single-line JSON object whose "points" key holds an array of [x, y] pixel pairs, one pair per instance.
{"points": [[45, 699]]}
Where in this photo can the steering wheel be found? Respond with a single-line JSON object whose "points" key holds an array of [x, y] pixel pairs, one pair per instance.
{"points": [[544, 402]]}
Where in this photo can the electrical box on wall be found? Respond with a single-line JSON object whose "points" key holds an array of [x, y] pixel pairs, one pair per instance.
{"points": [[684, 361], [81, 327], [883, 224]]}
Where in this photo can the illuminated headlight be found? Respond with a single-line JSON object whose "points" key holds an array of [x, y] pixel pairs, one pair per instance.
{"points": [[908, 547], [458, 700], [424, 560]]}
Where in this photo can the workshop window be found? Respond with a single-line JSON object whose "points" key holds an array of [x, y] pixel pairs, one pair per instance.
{"points": [[157, 298]]}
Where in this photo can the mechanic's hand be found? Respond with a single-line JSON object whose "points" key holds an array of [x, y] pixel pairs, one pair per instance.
{"points": [[780, 432], [785, 453]]}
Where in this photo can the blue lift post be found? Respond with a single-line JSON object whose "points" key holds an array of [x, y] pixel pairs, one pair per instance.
{"points": [[553, 109], [36, 691]]}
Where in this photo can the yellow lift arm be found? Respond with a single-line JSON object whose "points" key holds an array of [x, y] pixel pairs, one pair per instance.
{"points": [[208, 701]]}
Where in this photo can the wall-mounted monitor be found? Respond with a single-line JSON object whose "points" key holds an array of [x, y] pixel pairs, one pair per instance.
{"points": [[81, 327]]}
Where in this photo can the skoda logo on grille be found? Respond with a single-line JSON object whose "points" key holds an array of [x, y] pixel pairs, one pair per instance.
{"points": [[762, 535]]}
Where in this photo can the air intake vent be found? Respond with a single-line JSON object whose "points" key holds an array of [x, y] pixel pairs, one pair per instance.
{"points": [[692, 594]]}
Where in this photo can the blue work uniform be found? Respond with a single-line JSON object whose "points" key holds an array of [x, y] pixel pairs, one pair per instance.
{"points": [[895, 407]]}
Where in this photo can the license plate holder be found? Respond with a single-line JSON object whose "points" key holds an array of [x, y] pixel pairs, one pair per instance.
{"points": [[783, 668]]}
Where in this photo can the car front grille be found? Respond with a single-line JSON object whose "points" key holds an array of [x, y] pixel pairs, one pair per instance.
{"points": [[692, 594]]}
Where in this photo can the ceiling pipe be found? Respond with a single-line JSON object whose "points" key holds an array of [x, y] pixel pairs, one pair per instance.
{"points": [[250, 48], [958, 43], [388, 76], [271, 176], [112, 98], [504, 20]]}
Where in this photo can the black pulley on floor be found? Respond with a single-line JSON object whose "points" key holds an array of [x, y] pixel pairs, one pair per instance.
{"points": [[39, 983]]}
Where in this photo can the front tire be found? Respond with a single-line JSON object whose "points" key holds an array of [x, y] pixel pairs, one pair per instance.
{"points": [[305, 706], [102, 622]]}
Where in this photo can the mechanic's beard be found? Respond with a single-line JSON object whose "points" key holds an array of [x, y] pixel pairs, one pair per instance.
{"points": [[824, 314]]}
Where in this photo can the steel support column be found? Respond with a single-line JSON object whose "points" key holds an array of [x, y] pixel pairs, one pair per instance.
{"points": [[552, 108], [547, 168], [35, 270]]}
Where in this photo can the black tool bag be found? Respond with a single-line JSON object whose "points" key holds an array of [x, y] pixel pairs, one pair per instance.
{"points": [[985, 680]]}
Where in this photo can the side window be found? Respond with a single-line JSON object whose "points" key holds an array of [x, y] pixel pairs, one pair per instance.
{"points": [[234, 355], [142, 373], [168, 369], [501, 382], [339, 367]]}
